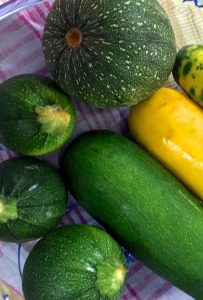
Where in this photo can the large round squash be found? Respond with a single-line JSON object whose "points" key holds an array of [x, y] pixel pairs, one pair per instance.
{"points": [[109, 53]]}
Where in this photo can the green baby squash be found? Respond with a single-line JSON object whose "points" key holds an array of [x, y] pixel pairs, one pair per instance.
{"points": [[36, 118], [32, 199], [77, 262]]}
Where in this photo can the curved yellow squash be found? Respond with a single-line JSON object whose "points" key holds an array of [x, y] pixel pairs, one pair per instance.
{"points": [[170, 127]]}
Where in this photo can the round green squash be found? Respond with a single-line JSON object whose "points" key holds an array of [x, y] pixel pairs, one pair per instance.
{"points": [[77, 262], [36, 118], [109, 53], [33, 199]]}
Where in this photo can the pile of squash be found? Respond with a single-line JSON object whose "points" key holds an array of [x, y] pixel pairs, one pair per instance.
{"points": [[146, 193]]}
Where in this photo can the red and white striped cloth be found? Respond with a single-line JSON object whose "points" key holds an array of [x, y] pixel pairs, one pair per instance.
{"points": [[21, 52]]}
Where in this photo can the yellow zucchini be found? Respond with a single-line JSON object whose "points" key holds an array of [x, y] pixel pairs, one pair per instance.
{"points": [[170, 126]]}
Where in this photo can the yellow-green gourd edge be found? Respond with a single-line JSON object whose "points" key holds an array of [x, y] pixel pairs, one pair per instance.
{"points": [[188, 71]]}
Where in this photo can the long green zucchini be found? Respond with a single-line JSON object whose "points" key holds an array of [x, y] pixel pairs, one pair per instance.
{"points": [[147, 209]]}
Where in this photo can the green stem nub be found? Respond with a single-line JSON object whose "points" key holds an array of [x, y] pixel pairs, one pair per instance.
{"points": [[52, 119], [8, 210], [111, 275]]}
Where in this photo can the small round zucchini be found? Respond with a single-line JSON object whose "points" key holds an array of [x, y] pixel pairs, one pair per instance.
{"points": [[36, 118], [77, 262], [32, 199]]}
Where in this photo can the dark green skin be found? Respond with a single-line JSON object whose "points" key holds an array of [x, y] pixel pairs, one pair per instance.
{"points": [[19, 129], [127, 50], [181, 53], [62, 265], [147, 209], [40, 196]]}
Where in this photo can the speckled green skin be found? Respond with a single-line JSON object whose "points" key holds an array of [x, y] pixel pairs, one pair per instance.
{"points": [[127, 51], [40, 196], [151, 213], [63, 264], [19, 129], [188, 71]]}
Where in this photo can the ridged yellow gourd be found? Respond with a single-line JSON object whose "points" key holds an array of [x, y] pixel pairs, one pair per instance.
{"points": [[170, 127]]}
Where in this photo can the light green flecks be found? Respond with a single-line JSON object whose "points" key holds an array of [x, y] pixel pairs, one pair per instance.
{"points": [[8, 209], [113, 76], [109, 58], [53, 119], [140, 24], [110, 277], [114, 25], [106, 43]]}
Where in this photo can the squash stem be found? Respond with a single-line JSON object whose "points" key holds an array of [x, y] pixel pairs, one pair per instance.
{"points": [[111, 275], [53, 119], [8, 210], [73, 37]]}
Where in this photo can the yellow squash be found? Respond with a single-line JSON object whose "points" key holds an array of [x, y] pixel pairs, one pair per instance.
{"points": [[170, 127]]}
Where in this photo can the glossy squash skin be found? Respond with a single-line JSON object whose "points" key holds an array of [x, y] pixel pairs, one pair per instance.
{"points": [[76, 262], [109, 53], [36, 118], [188, 71], [33, 199], [169, 125], [143, 206]]}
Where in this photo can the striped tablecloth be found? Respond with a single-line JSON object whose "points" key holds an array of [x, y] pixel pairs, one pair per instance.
{"points": [[21, 52]]}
